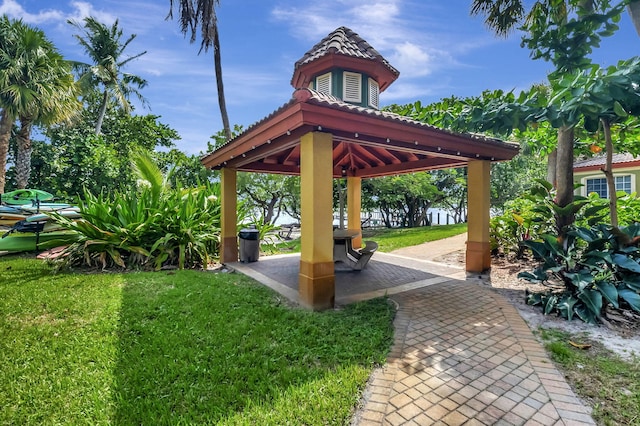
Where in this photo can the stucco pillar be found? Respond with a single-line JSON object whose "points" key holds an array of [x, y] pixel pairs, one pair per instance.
{"points": [[354, 206], [478, 256], [316, 281], [228, 217]]}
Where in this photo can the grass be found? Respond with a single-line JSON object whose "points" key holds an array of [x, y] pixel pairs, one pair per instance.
{"points": [[177, 348], [387, 239], [392, 239], [609, 383]]}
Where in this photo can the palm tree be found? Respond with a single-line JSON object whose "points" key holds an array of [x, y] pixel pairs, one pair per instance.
{"points": [[201, 14], [105, 50], [36, 87], [502, 16]]}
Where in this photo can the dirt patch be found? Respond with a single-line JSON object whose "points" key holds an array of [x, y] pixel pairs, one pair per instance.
{"points": [[621, 334]]}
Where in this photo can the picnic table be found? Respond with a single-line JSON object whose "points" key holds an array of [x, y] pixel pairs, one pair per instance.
{"points": [[343, 250]]}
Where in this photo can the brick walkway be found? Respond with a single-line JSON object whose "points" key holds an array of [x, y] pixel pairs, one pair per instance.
{"points": [[462, 355]]}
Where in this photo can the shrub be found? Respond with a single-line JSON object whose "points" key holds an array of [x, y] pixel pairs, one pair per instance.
{"points": [[590, 268], [153, 225]]}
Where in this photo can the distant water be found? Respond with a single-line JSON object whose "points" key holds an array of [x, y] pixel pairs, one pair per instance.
{"points": [[438, 217]]}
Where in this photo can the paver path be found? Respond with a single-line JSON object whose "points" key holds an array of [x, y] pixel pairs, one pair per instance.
{"points": [[464, 356], [434, 249]]}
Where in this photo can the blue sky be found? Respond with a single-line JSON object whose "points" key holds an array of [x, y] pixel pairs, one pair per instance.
{"points": [[438, 48]]}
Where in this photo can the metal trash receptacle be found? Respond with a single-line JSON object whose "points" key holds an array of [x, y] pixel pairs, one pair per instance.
{"points": [[249, 245]]}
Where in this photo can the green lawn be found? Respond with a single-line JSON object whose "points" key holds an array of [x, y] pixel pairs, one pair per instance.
{"points": [[177, 348], [387, 239], [392, 239]]}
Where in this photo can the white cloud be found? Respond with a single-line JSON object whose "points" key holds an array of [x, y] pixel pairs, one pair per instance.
{"points": [[79, 10], [404, 41], [413, 60], [83, 9], [13, 9]]}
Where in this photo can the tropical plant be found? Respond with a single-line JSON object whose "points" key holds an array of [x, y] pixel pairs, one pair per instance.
{"points": [[105, 50], [201, 14], [153, 226], [36, 87], [590, 269], [535, 213]]}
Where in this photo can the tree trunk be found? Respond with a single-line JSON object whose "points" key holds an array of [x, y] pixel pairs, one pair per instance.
{"points": [[23, 158], [221, 99], [634, 11], [564, 177], [102, 112], [552, 161], [608, 173], [6, 125]]}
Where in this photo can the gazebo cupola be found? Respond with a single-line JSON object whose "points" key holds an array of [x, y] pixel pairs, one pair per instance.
{"points": [[346, 67]]}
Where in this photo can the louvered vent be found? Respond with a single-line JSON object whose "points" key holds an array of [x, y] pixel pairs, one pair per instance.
{"points": [[352, 87], [374, 94], [323, 83]]}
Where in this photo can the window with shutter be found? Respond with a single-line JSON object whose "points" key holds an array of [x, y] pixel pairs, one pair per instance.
{"points": [[374, 94], [323, 83], [352, 87]]}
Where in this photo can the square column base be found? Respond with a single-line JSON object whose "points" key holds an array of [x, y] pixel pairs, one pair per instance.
{"points": [[229, 249], [316, 285], [478, 256]]}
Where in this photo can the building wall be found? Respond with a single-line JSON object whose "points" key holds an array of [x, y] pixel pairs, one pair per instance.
{"points": [[580, 177]]}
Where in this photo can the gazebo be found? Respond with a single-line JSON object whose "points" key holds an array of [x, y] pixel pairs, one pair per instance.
{"points": [[332, 128]]}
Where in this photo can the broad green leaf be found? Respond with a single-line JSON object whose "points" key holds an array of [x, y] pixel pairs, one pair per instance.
{"points": [[631, 297], [609, 291], [580, 279], [625, 262], [550, 305], [536, 277], [619, 110], [586, 314], [565, 306], [592, 300], [633, 282]]}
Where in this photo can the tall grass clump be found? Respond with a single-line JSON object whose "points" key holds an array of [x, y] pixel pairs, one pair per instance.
{"points": [[148, 227]]}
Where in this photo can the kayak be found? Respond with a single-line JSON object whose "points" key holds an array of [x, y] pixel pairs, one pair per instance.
{"points": [[46, 207], [25, 196], [10, 219], [26, 241], [72, 213]]}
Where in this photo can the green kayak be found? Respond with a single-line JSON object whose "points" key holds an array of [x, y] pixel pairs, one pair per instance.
{"points": [[26, 241], [21, 197]]}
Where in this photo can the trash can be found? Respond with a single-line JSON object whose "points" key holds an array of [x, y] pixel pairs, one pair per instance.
{"points": [[249, 245]]}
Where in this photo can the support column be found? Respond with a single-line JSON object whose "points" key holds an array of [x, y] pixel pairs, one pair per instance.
{"points": [[228, 216], [478, 257], [354, 207], [316, 281]]}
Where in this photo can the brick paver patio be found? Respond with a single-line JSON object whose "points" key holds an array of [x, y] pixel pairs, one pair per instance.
{"points": [[462, 354]]}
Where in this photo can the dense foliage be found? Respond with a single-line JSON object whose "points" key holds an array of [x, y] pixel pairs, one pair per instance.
{"points": [[589, 269], [151, 226]]}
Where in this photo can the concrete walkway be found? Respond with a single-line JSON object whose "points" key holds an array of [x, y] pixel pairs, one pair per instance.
{"points": [[462, 355]]}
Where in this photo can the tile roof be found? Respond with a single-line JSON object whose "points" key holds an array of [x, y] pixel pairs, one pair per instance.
{"points": [[600, 160], [343, 41], [331, 101], [314, 97]]}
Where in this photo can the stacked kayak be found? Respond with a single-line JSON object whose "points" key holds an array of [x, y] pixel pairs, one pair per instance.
{"points": [[26, 223]]}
